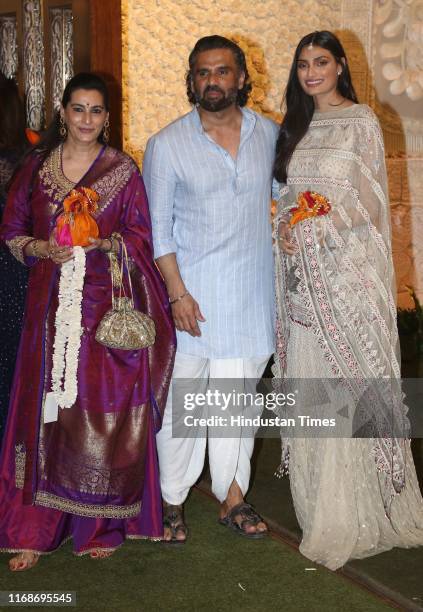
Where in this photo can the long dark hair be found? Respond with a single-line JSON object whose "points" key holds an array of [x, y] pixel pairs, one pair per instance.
{"points": [[83, 80], [300, 106], [207, 43], [12, 117]]}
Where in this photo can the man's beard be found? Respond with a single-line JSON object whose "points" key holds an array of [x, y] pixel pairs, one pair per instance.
{"points": [[215, 106]]}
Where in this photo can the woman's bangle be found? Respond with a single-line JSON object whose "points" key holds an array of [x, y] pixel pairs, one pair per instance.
{"points": [[36, 250], [111, 245], [179, 298]]}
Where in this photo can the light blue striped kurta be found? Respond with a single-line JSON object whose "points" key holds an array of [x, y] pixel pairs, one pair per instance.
{"points": [[214, 213]]}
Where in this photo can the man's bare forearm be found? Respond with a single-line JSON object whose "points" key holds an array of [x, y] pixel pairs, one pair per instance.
{"points": [[169, 268]]}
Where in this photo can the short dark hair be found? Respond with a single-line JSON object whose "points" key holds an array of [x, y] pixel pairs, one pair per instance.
{"points": [[207, 43]]}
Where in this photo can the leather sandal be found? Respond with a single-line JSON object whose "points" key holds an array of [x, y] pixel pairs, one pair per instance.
{"points": [[173, 519], [249, 518]]}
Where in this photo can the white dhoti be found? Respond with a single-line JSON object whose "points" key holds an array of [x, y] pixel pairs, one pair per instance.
{"points": [[181, 460]]}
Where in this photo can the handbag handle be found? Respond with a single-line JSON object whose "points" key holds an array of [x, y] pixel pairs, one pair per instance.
{"points": [[116, 272]]}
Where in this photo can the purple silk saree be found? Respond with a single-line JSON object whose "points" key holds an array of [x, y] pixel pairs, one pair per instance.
{"points": [[91, 475]]}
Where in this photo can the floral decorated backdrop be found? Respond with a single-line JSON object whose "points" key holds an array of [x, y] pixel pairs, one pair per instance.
{"points": [[393, 44], [384, 42]]}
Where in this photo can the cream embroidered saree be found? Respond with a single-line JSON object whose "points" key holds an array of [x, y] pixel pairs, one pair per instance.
{"points": [[337, 318]]}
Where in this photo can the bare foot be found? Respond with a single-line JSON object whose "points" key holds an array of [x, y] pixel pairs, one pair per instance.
{"points": [[23, 561], [101, 554]]}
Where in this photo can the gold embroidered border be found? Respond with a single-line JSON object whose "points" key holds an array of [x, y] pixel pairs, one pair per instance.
{"points": [[128, 537], [90, 510], [17, 245], [20, 460], [109, 185], [78, 554], [57, 185], [38, 552], [87, 473], [140, 537], [51, 174], [95, 549]]}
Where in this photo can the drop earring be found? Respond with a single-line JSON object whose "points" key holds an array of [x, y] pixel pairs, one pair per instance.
{"points": [[63, 130], [106, 131]]}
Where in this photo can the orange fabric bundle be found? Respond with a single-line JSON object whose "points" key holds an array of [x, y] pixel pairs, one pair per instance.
{"points": [[310, 204], [75, 225]]}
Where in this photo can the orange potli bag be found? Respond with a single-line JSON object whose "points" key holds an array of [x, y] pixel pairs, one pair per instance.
{"points": [[76, 225]]}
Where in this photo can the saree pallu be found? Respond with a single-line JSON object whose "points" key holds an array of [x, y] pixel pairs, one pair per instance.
{"points": [[92, 474], [355, 495]]}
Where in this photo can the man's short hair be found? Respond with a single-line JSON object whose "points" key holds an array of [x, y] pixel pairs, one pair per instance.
{"points": [[207, 43]]}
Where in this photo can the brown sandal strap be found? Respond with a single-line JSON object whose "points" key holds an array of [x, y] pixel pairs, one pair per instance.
{"points": [[173, 519], [249, 516]]}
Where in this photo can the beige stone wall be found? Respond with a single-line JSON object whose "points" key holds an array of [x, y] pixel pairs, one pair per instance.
{"points": [[159, 34]]}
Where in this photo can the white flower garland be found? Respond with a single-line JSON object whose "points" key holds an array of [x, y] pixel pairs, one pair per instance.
{"points": [[67, 340]]}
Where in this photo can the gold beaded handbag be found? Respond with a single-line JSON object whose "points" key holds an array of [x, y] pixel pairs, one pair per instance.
{"points": [[124, 327]]}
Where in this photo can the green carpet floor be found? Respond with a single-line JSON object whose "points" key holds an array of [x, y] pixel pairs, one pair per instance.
{"points": [[399, 570], [216, 570]]}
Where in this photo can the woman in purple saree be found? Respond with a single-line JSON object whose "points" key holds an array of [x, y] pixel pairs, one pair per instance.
{"points": [[91, 475]]}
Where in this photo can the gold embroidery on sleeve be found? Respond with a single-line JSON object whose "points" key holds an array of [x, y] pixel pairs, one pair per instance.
{"points": [[17, 245]]}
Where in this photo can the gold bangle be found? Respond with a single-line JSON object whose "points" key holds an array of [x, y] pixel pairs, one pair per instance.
{"points": [[35, 250], [111, 245], [179, 298]]}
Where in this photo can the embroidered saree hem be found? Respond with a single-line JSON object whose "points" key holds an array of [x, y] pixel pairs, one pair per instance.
{"points": [[90, 510], [37, 552], [81, 553]]}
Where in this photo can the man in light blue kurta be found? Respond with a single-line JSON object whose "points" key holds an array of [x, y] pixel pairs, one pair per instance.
{"points": [[208, 177]]}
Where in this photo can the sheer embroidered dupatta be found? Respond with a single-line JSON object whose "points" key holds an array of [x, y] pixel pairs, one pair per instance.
{"points": [[340, 284]]}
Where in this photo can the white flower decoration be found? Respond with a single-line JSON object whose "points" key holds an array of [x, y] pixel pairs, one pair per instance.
{"points": [[403, 53], [67, 340]]}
